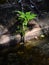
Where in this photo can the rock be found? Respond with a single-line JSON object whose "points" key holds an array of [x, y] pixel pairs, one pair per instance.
{"points": [[36, 38], [34, 33], [33, 24], [4, 39], [18, 38], [3, 30]]}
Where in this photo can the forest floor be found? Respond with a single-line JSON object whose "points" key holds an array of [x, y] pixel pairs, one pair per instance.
{"points": [[20, 55]]}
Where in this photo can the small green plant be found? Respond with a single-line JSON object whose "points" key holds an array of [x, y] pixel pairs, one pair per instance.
{"points": [[24, 18]]}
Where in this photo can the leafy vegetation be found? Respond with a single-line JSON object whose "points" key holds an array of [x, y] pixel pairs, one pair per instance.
{"points": [[24, 18]]}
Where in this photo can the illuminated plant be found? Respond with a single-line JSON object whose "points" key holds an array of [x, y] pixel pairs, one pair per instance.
{"points": [[24, 18]]}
